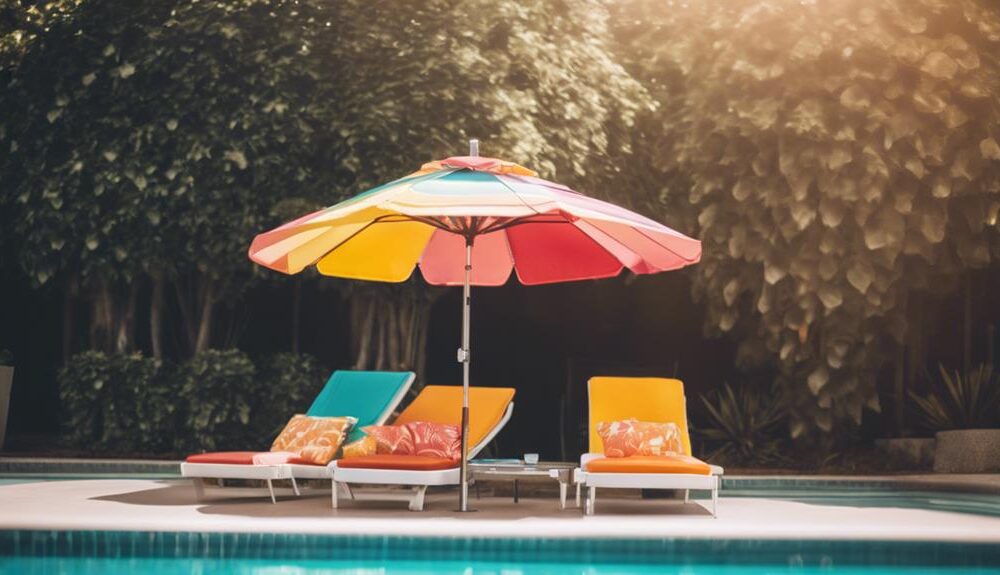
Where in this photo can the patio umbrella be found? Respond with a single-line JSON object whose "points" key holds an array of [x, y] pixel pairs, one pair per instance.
{"points": [[471, 220]]}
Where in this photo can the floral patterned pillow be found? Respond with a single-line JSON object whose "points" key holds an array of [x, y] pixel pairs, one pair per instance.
{"points": [[436, 439], [415, 438], [633, 437], [362, 447], [391, 439], [315, 439]]}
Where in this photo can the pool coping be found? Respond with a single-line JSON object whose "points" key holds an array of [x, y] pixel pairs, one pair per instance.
{"points": [[153, 468]]}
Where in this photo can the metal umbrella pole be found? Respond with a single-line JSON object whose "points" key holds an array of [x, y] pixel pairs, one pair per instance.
{"points": [[463, 357]]}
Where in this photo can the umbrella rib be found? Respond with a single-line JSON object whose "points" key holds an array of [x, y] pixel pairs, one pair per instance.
{"points": [[516, 195], [654, 240]]}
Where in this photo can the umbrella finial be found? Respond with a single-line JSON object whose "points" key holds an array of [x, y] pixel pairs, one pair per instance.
{"points": [[473, 147]]}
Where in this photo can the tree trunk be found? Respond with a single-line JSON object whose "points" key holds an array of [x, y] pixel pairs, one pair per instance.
{"points": [[205, 322], [156, 317], [389, 326], [186, 314], [69, 325], [101, 321], [125, 321]]}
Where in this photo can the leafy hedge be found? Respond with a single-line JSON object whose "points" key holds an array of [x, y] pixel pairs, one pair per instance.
{"points": [[218, 400]]}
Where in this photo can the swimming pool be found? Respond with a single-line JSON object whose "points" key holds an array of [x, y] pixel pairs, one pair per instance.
{"points": [[107, 552]]}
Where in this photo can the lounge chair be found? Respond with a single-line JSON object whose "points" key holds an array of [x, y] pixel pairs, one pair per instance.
{"points": [[368, 396], [489, 410], [645, 399]]}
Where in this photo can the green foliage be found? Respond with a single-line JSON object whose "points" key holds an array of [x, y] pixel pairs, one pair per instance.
{"points": [[126, 403], [156, 138], [957, 401], [744, 425], [835, 156], [287, 385], [117, 403], [218, 389]]}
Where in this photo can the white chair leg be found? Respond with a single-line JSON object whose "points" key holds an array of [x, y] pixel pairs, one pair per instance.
{"points": [[562, 495], [591, 499], [715, 500], [295, 487], [348, 490], [270, 489], [417, 501], [199, 488], [333, 493], [578, 495], [687, 495]]}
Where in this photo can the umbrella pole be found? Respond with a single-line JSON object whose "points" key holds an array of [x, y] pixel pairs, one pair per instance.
{"points": [[463, 355]]}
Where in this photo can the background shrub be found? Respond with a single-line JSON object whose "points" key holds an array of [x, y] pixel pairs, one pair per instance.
{"points": [[744, 425], [219, 389], [116, 402]]}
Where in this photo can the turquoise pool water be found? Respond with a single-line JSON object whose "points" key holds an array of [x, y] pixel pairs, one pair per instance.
{"points": [[156, 553], [314, 567]]}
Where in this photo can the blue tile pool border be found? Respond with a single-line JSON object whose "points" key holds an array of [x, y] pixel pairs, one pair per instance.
{"points": [[365, 548]]}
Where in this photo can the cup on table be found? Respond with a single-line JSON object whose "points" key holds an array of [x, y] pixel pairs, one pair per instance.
{"points": [[531, 458]]}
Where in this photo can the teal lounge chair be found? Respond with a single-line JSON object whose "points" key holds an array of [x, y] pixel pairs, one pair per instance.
{"points": [[368, 396]]}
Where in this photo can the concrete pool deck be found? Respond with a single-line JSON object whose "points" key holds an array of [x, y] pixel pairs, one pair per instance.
{"points": [[169, 505]]}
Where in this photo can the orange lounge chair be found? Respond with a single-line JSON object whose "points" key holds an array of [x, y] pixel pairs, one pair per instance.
{"points": [[646, 399], [489, 410]]}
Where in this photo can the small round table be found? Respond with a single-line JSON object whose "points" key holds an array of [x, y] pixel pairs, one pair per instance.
{"points": [[516, 470]]}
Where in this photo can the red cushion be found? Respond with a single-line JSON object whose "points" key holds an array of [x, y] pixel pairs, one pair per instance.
{"points": [[224, 457], [407, 462], [300, 461]]}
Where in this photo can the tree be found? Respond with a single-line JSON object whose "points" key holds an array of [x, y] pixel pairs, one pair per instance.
{"points": [[151, 141], [534, 81], [838, 157]]}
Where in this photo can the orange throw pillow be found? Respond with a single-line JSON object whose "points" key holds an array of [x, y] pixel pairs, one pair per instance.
{"points": [[361, 448], [315, 439], [632, 437], [391, 439], [436, 439]]}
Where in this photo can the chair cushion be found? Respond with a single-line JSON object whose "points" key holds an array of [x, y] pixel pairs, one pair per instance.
{"points": [[650, 464], [366, 395], [443, 404], [315, 439], [632, 437], [224, 457], [644, 398], [403, 462]]}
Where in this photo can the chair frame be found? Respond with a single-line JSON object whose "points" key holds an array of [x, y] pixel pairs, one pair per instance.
{"points": [[269, 473], [418, 481], [680, 481]]}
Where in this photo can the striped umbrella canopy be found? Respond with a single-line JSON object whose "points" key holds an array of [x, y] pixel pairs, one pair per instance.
{"points": [[470, 220], [515, 221]]}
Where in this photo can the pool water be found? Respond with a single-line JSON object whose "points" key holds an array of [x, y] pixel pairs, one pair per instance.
{"points": [[107, 566], [156, 553]]}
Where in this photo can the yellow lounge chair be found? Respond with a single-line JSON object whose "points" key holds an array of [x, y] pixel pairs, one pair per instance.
{"points": [[489, 410], [646, 399]]}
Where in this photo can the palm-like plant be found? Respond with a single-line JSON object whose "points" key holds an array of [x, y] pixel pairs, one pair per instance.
{"points": [[744, 424], [968, 401]]}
